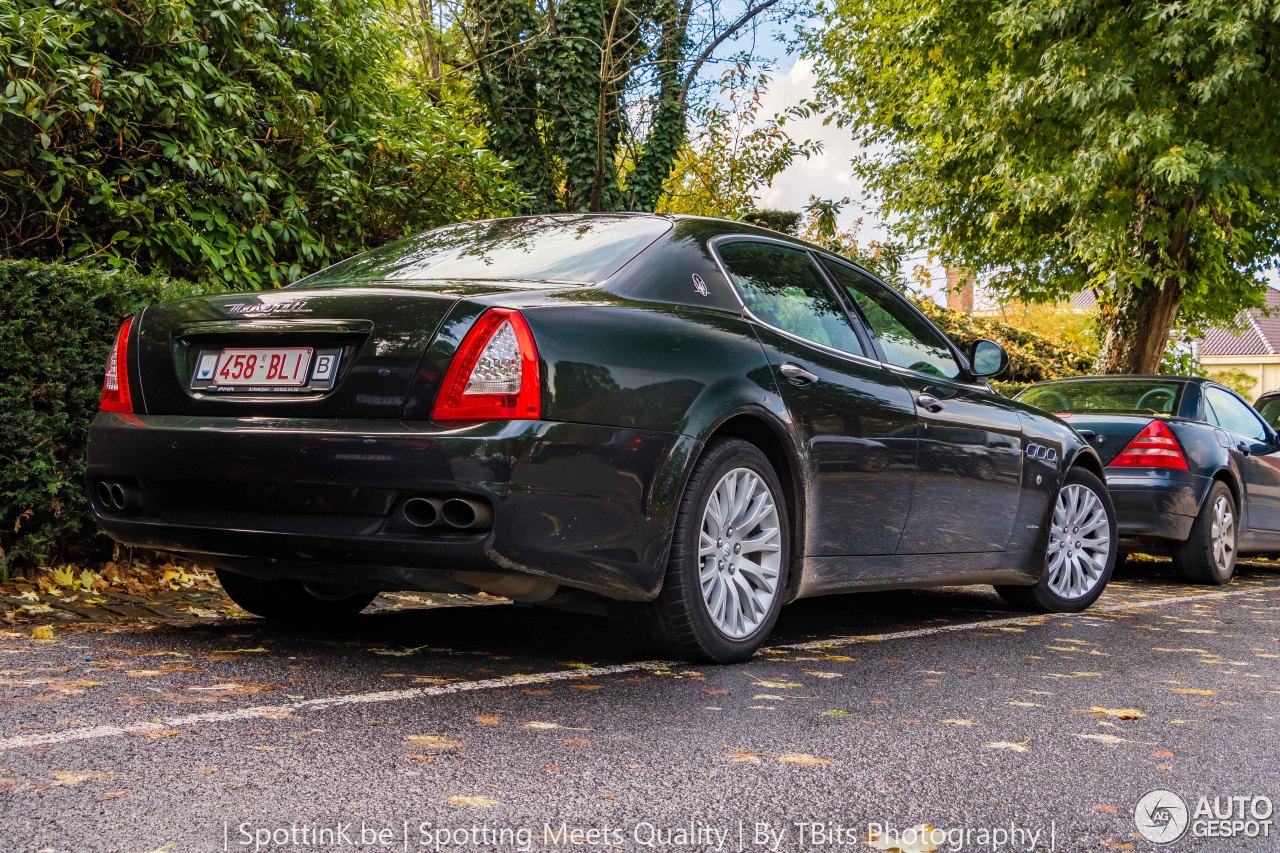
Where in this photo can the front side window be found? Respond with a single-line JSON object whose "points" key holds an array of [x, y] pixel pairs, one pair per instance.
{"points": [[908, 339], [1234, 415], [782, 287]]}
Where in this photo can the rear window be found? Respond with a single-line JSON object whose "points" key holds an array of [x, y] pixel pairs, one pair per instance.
{"points": [[572, 248], [1118, 396]]}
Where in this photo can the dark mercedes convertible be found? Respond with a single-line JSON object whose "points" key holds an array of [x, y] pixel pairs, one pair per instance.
{"points": [[1193, 469], [694, 420]]}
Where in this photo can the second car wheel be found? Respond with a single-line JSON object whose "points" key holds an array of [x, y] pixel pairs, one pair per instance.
{"points": [[1209, 554], [1081, 552], [727, 570], [292, 601]]}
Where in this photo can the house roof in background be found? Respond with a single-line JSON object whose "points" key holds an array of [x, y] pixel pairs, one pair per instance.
{"points": [[1258, 334]]}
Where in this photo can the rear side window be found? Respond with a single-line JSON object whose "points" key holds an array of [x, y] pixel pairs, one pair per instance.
{"points": [[908, 339], [782, 287], [569, 248], [1233, 414], [1120, 396]]}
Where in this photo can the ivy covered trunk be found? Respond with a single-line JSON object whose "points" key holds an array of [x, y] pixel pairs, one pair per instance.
{"points": [[1137, 323]]}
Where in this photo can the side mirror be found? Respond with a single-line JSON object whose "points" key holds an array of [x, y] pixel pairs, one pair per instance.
{"points": [[989, 359]]}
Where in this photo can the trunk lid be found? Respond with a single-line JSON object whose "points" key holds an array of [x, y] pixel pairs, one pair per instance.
{"points": [[1109, 434], [375, 334]]}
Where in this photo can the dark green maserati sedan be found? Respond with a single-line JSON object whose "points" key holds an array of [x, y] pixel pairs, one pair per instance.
{"points": [[689, 422]]}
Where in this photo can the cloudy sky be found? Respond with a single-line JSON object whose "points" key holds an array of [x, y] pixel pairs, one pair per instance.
{"points": [[826, 175]]}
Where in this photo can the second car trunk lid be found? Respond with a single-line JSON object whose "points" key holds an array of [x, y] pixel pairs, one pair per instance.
{"points": [[1108, 434], [376, 336]]}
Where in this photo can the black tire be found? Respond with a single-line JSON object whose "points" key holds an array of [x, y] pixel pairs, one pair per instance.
{"points": [[1040, 597], [678, 623], [291, 601], [1196, 559]]}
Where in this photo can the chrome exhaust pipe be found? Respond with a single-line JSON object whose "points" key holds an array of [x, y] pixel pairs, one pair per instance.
{"points": [[105, 497], [422, 512], [467, 513]]}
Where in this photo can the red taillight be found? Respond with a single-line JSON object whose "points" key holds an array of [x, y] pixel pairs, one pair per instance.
{"points": [[115, 385], [494, 374], [1154, 447]]}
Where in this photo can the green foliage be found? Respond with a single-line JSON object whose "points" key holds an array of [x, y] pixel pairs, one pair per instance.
{"points": [[1125, 146], [232, 141], [1241, 381], [590, 100], [734, 152], [783, 221], [1032, 356], [57, 324]]}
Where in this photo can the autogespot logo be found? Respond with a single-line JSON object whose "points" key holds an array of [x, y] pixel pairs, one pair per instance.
{"points": [[1161, 816]]}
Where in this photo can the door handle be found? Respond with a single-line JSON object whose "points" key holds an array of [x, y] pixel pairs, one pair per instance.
{"points": [[929, 403], [1243, 448], [797, 374]]}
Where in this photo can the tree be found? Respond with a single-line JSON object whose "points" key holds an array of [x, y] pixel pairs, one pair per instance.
{"points": [[589, 99], [1127, 147], [733, 153], [233, 141]]}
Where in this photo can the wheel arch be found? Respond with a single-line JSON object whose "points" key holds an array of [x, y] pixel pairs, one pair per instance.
{"points": [[758, 427], [1088, 459]]}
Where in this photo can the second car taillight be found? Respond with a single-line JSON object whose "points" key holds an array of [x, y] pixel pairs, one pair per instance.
{"points": [[115, 384], [494, 374], [1154, 447]]}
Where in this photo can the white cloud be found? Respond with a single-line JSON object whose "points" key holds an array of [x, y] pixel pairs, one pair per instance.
{"points": [[827, 175]]}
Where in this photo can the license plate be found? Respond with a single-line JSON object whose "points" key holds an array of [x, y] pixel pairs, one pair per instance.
{"points": [[257, 366]]}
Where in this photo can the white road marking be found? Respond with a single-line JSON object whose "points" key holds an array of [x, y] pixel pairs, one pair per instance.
{"points": [[266, 711]]}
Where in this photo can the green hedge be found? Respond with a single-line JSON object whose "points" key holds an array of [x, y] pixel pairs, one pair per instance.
{"points": [[58, 323]]}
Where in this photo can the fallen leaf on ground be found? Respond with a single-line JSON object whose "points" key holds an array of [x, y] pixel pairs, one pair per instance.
{"points": [[1104, 808], [957, 722], [816, 673], [1191, 691], [43, 633], [1118, 713], [434, 743], [1109, 740], [66, 778], [836, 712], [1022, 746], [488, 719], [804, 759], [473, 802]]}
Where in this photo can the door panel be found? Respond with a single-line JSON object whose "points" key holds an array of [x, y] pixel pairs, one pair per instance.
{"points": [[859, 429], [854, 417], [969, 471], [1257, 458], [969, 464]]}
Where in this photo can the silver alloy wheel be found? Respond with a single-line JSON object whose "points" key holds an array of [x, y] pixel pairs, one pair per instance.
{"points": [[740, 552], [1224, 534], [1079, 542]]}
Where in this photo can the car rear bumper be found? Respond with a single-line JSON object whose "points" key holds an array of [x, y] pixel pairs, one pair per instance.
{"points": [[1154, 504], [588, 507]]}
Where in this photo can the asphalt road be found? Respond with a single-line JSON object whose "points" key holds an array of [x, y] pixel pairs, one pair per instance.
{"points": [[515, 728]]}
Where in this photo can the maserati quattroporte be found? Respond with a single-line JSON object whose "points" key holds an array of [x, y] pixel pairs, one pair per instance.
{"points": [[695, 421]]}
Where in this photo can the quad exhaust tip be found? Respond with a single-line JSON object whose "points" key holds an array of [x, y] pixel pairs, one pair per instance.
{"points": [[458, 513]]}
